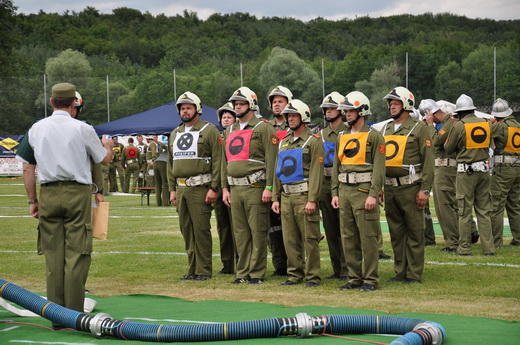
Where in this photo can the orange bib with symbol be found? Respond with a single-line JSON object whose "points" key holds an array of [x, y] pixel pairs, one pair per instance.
{"points": [[513, 140], [352, 148], [477, 135], [395, 147]]}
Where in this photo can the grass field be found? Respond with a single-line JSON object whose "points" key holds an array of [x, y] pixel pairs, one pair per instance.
{"points": [[144, 254]]}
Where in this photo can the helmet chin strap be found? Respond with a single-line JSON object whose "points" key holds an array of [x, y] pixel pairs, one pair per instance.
{"points": [[190, 119], [243, 114], [333, 119], [353, 122], [395, 117], [296, 128]]}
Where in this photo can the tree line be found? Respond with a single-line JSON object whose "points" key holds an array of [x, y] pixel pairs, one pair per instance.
{"points": [[439, 56]]}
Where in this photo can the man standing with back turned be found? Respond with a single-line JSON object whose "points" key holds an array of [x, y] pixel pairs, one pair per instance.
{"points": [[64, 208]]}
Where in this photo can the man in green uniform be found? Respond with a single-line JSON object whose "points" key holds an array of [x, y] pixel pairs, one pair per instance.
{"points": [[357, 179], [278, 99], [409, 178], [194, 153], [469, 139], [142, 162], [158, 156], [445, 174], [64, 208], [505, 181], [151, 155], [131, 159], [296, 191], [251, 147], [329, 136], [116, 166], [226, 117]]}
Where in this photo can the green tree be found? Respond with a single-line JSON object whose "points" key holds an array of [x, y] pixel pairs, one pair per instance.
{"points": [[380, 83], [69, 66], [284, 67]]}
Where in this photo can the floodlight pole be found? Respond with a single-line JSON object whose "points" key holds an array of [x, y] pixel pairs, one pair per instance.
{"points": [[45, 92], [108, 101]]}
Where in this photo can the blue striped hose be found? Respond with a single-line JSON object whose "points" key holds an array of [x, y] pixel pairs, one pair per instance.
{"points": [[415, 331]]}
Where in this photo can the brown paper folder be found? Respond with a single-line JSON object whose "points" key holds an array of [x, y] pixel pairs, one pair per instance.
{"points": [[100, 221]]}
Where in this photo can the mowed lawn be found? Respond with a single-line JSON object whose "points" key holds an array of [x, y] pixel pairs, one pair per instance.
{"points": [[144, 254]]}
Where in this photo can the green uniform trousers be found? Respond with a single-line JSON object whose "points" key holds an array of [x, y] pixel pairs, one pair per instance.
{"points": [[331, 224], [505, 194], [360, 234], [194, 221], [131, 171], [406, 225], [250, 219], [275, 242], [429, 231], [301, 237], [106, 172], [65, 238], [113, 167], [162, 194], [473, 193], [446, 205], [225, 235]]}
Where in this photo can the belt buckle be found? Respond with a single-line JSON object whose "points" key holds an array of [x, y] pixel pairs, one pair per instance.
{"points": [[182, 181]]}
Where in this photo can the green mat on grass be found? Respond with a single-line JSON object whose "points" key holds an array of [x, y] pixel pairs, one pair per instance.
{"points": [[461, 330]]}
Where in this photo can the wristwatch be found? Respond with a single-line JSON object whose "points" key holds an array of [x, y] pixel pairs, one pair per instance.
{"points": [[215, 189], [32, 201], [426, 191], [99, 191]]}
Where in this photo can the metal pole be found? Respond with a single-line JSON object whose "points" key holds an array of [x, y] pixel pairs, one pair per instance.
{"points": [[174, 85], [406, 70], [241, 76], [494, 73], [45, 92], [323, 77], [108, 101]]}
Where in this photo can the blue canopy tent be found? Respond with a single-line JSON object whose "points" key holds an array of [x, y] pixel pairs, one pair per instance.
{"points": [[158, 120]]}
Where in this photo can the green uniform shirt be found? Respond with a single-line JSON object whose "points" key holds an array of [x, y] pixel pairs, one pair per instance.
{"points": [[262, 152], [439, 138], [501, 136], [208, 160], [374, 162], [118, 152], [154, 150], [418, 151], [312, 163], [279, 127], [126, 156], [456, 142]]}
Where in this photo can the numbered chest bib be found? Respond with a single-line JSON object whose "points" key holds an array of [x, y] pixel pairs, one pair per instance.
{"points": [[477, 135], [238, 144], [185, 145], [131, 152], [290, 166], [513, 140], [352, 148], [329, 149]]}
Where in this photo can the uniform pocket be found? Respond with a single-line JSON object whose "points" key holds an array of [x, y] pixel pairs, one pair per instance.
{"points": [[81, 241], [461, 202], [370, 224]]}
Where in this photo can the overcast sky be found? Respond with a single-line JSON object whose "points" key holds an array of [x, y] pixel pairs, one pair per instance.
{"points": [[304, 9]]}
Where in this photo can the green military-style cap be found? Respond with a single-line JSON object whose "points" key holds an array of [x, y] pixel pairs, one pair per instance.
{"points": [[64, 90]]}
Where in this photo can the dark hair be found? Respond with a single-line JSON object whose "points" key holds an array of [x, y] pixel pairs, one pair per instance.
{"points": [[130, 140], [62, 102]]}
